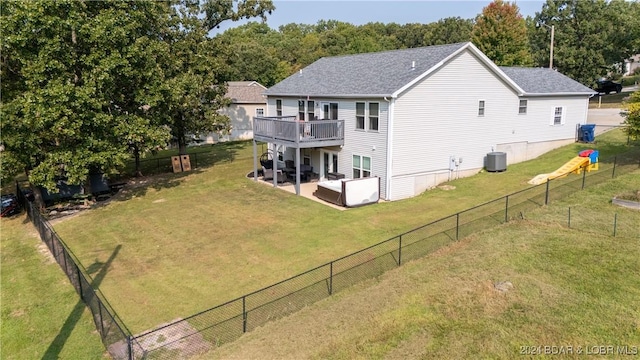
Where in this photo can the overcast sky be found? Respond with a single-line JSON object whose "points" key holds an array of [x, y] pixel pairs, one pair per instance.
{"points": [[360, 12]]}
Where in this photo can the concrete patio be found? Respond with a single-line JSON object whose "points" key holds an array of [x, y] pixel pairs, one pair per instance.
{"points": [[306, 191]]}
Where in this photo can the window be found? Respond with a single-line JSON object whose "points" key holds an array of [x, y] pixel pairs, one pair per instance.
{"points": [[361, 166], [373, 116], [311, 111], [523, 107], [259, 112], [481, 108], [300, 109], [360, 116], [278, 107], [558, 116]]}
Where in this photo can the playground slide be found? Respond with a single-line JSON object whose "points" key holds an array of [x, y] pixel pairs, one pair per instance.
{"points": [[572, 165]]}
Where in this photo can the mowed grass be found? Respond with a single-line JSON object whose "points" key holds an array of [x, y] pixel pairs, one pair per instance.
{"points": [[42, 317], [577, 288], [611, 101], [191, 241]]}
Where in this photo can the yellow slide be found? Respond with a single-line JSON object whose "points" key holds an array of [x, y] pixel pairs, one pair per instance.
{"points": [[574, 165]]}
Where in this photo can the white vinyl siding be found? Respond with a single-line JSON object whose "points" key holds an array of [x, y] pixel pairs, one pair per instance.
{"points": [[431, 125]]}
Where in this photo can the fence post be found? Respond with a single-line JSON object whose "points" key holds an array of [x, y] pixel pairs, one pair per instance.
{"points": [[244, 314], [615, 223], [457, 226], [400, 251], [506, 209], [130, 346], [331, 278], [584, 175], [101, 321], [79, 281], [615, 161], [546, 194]]}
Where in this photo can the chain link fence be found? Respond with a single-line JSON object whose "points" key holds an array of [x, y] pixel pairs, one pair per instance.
{"points": [[211, 328], [114, 334]]}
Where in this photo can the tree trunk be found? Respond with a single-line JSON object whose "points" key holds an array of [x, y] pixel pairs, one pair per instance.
{"points": [[136, 154], [37, 198], [182, 141]]}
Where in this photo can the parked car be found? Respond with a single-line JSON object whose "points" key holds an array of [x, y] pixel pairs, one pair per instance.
{"points": [[10, 205], [607, 86]]}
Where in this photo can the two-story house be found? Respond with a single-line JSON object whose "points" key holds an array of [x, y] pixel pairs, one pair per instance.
{"points": [[418, 117]]}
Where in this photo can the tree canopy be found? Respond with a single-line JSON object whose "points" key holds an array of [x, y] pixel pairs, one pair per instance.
{"points": [[87, 83], [591, 36], [501, 33], [76, 76]]}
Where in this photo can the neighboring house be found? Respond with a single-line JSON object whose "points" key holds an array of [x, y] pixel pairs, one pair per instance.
{"points": [[631, 64], [418, 117], [247, 102]]}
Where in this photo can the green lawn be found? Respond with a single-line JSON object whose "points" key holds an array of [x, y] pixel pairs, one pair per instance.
{"points": [[573, 290], [191, 241], [611, 101], [42, 317]]}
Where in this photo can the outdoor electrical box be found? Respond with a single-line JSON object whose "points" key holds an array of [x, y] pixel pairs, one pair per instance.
{"points": [[175, 162]]}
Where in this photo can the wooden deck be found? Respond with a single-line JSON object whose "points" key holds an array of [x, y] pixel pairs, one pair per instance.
{"points": [[286, 130]]}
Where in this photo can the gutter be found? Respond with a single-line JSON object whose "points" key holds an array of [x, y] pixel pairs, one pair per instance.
{"points": [[557, 94], [333, 96]]}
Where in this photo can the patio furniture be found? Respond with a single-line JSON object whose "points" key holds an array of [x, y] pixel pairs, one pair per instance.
{"points": [[267, 174]]}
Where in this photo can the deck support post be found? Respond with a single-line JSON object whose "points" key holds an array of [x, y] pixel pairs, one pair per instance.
{"points": [[255, 161], [297, 165]]}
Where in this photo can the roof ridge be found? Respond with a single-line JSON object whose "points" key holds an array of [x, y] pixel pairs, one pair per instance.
{"points": [[395, 50]]}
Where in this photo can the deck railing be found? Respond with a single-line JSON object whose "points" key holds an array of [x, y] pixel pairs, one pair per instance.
{"points": [[287, 128]]}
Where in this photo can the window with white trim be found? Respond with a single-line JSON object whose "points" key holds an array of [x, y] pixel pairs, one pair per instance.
{"points": [[374, 114], [522, 109], [278, 107], [361, 166], [301, 110], [558, 116], [259, 112], [360, 115], [311, 110], [480, 107]]}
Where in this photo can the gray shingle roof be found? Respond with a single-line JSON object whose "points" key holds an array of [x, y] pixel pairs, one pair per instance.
{"points": [[384, 73], [380, 73], [245, 92], [544, 81]]}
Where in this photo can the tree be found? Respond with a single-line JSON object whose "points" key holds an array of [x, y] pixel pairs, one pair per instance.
{"points": [[624, 39], [631, 114], [500, 32], [194, 88], [76, 77], [448, 31], [582, 35]]}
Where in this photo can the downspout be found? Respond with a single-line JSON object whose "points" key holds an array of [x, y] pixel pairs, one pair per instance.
{"points": [[390, 113]]}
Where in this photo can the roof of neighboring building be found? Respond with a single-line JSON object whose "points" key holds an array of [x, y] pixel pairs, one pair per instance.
{"points": [[246, 92], [388, 73], [544, 81]]}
